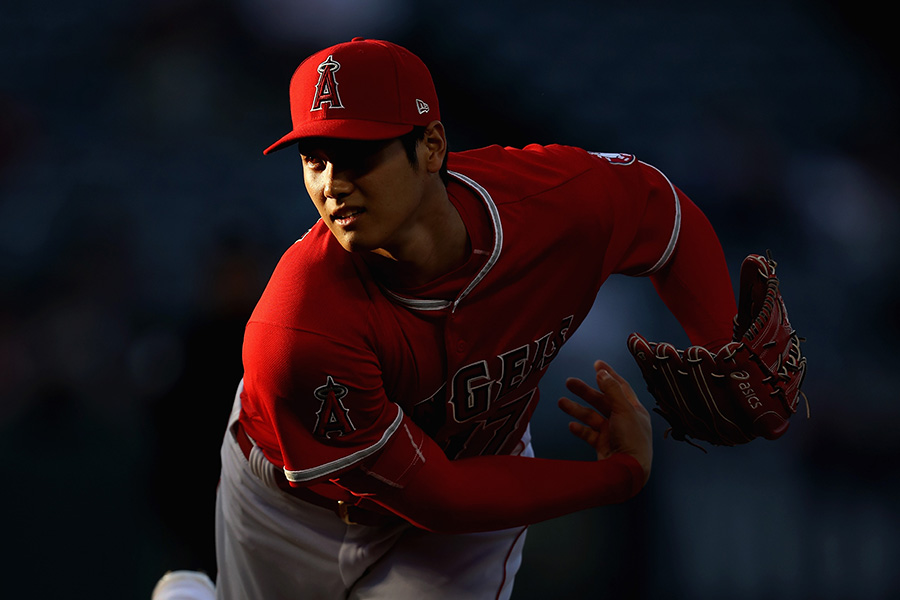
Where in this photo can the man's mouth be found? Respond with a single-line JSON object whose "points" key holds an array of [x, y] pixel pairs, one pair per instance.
{"points": [[347, 215]]}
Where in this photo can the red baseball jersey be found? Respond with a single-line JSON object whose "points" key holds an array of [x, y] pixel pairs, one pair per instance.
{"points": [[337, 367]]}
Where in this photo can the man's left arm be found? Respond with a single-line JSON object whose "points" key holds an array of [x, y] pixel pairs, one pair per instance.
{"points": [[741, 377], [695, 284]]}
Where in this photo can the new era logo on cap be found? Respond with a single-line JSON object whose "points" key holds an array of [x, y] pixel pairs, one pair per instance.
{"points": [[363, 90]]}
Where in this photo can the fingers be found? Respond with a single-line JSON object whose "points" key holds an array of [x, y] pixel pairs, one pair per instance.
{"points": [[614, 393], [593, 429], [591, 418], [613, 390], [602, 365], [615, 386], [584, 432], [598, 440], [615, 421]]}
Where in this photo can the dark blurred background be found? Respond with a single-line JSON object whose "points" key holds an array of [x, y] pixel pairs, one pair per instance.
{"points": [[139, 222]]}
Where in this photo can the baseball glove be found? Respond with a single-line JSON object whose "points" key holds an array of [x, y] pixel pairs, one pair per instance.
{"points": [[749, 388]]}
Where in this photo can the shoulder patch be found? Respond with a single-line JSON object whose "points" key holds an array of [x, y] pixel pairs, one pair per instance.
{"points": [[615, 158], [332, 418]]}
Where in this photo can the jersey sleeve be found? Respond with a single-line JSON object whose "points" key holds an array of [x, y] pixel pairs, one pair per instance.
{"points": [[644, 208], [487, 493], [314, 398], [659, 232], [621, 211], [322, 399]]}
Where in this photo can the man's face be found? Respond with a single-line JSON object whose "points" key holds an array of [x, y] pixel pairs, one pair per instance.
{"points": [[367, 193]]}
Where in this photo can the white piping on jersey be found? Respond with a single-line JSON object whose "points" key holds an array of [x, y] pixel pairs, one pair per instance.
{"points": [[498, 234], [417, 303], [420, 304], [676, 229], [304, 475]]}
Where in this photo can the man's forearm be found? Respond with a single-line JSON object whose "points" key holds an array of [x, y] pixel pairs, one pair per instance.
{"points": [[695, 284]]}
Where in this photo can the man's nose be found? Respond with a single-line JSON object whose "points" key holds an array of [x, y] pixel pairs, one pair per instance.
{"points": [[337, 182]]}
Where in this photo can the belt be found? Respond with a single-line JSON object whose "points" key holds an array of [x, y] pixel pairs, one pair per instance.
{"points": [[350, 514]]}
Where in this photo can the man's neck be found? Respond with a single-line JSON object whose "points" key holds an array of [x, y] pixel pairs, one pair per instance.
{"points": [[435, 246]]}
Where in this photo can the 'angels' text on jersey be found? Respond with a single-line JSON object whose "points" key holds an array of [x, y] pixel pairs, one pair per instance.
{"points": [[480, 394]]}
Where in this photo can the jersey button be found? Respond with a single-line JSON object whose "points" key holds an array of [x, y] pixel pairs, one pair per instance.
{"points": [[462, 346]]}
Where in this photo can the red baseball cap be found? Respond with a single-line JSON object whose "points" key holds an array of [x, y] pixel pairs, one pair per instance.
{"points": [[360, 90]]}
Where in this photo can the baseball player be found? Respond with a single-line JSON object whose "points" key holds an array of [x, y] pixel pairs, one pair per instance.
{"points": [[379, 445]]}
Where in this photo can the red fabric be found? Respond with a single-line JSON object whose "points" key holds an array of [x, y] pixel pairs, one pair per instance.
{"points": [[695, 283], [363, 90], [329, 355], [489, 492]]}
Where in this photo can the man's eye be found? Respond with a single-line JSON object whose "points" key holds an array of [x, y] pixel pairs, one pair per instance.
{"points": [[313, 163]]}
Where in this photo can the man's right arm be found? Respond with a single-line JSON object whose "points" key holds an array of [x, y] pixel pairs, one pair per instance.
{"points": [[497, 492]]}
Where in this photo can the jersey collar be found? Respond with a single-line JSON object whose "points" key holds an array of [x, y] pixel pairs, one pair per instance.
{"points": [[496, 226]]}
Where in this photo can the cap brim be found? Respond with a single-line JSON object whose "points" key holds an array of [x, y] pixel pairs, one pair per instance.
{"points": [[344, 129]]}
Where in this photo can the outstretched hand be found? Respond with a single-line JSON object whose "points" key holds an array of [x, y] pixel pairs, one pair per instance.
{"points": [[617, 423]]}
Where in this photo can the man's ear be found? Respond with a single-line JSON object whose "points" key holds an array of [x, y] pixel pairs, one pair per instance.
{"points": [[433, 147]]}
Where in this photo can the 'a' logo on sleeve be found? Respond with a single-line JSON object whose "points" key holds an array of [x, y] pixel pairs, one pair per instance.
{"points": [[332, 418]]}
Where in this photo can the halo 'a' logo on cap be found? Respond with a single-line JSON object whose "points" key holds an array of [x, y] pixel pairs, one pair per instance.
{"points": [[327, 86], [422, 106]]}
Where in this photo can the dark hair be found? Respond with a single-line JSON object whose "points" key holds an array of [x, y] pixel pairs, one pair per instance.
{"points": [[410, 143]]}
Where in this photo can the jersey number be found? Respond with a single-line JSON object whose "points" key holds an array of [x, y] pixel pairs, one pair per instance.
{"points": [[494, 435]]}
